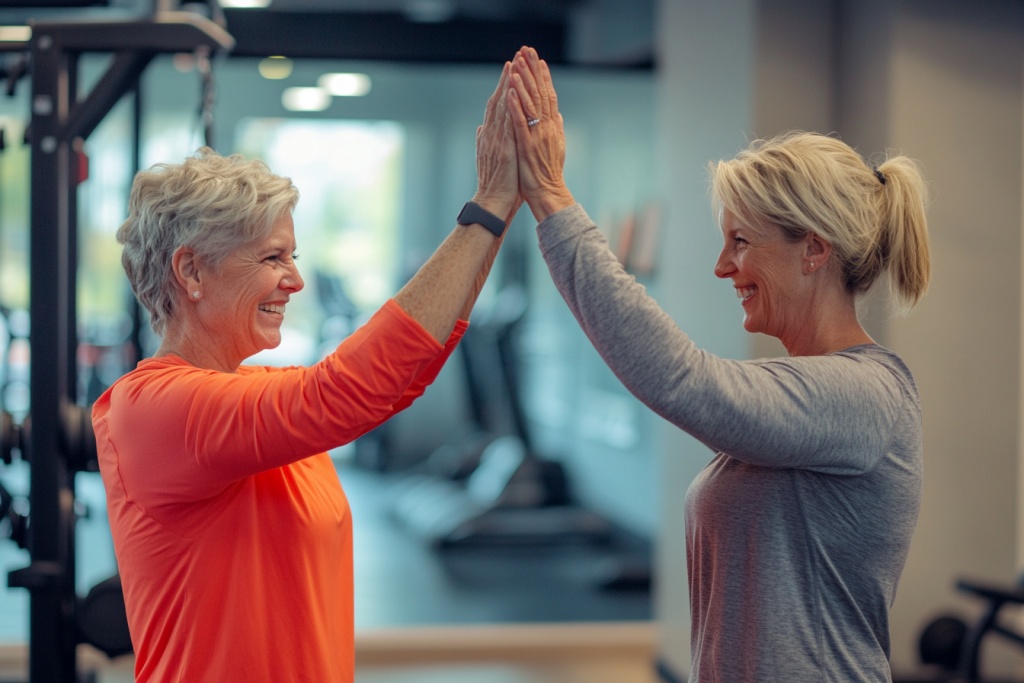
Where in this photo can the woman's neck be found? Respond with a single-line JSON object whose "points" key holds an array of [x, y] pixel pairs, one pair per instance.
{"points": [[181, 340], [826, 326]]}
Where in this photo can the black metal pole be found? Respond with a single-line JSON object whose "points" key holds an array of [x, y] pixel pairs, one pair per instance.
{"points": [[68, 227], [57, 446], [134, 308], [49, 307]]}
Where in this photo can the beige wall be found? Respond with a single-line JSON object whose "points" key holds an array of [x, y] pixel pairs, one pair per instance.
{"points": [[954, 102], [943, 81]]}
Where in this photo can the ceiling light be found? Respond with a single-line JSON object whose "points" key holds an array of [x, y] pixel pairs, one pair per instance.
{"points": [[245, 4], [306, 99], [429, 11], [275, 68], [345, 85], [17, 34]]}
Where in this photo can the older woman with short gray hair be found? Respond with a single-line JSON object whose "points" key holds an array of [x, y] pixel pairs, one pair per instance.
{"points": [[211, 203], [232, 533]]}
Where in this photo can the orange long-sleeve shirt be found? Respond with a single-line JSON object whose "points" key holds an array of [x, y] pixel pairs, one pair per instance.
{"points": [[232, 533]]}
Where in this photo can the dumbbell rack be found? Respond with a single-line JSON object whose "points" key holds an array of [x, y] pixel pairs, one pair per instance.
{"points": [[61, 442]]}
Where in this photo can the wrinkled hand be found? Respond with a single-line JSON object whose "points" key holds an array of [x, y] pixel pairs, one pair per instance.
{"points": [[497, 170], [540, 147]]}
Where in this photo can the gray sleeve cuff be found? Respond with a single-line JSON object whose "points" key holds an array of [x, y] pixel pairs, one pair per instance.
{"points": [[565, 224]]}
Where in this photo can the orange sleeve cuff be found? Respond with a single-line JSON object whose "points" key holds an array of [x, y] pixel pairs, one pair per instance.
{"points": [[406, 321]]}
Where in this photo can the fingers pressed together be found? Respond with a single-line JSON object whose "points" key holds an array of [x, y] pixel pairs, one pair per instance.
{"points": [[531, 95], [522, 118]]}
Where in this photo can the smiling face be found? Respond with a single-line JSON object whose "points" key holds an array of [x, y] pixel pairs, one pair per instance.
{"points": [[768, 272], [243, 302]]}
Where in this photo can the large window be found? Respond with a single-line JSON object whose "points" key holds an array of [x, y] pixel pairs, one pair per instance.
{"points": [[349, 176]]}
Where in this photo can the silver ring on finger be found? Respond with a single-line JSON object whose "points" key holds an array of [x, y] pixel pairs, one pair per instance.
{"points": [[532, 122]]}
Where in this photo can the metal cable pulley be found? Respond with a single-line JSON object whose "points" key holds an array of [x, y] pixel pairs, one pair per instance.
{"points": [[207, 93], [62, 442]]}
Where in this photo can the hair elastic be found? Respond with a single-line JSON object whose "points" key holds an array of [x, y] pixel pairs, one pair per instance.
{"points": [[878, 174]]}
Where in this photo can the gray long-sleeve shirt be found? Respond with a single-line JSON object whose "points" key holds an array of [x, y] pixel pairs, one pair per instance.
{"points": [[798, 529]]}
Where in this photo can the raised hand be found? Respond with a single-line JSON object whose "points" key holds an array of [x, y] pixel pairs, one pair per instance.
{"points": [[540, 137], [496, 161]]}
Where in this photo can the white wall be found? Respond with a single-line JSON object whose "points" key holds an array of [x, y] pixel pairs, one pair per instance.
{"points": [[794, 84], [706, 75]]}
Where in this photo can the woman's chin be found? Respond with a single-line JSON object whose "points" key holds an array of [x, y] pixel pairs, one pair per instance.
{"points": [[270, 339], [756, 325]]}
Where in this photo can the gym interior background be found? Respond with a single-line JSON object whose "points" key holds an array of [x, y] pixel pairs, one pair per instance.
{"points": [[651, 90]]}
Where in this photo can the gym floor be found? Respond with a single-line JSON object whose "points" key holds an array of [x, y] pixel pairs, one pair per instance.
{"points": [[547, 620], [401, 582]]}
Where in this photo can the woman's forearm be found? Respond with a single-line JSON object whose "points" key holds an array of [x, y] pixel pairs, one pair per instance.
{"points": [[485, 268], [443, 289], [481, 279], [447, 285]]}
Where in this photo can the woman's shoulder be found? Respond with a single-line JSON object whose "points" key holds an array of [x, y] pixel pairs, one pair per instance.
{"points": [[867, 364], [888, 359], [136, 390], [878, 354]]}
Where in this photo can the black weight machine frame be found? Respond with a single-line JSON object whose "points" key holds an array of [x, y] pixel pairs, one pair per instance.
{"points": [[61, 442]]}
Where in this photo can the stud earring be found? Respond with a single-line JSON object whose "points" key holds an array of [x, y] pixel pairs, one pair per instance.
{"points": [[195, 295]]}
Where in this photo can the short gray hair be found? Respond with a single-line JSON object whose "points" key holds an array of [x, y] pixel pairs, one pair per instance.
{"points": [[209, 203]]}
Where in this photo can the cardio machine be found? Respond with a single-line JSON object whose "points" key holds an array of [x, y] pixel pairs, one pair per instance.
{"points": [[487, 486]]}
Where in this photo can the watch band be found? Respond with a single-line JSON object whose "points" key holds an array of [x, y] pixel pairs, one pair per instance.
{"points": [[474, 213]]}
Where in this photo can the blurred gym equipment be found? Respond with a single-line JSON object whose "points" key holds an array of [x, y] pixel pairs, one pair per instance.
{"points": [[487, 487], [955, 646], [61, 441]]}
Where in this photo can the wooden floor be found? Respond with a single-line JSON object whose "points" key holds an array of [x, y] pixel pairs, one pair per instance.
{"points": [[617, 652], [606, 670], [600, 670]]}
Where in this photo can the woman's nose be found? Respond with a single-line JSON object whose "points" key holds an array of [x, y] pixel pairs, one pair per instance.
{"points": [[293, 282], [724, 267]]}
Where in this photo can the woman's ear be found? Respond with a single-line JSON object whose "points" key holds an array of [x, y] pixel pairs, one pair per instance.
{"points": [[187, 272], [816, 252]]}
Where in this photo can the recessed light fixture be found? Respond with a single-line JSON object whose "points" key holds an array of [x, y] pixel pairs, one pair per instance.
{"points": [[429, 11], [16, 34], [345, 84], [245, 4], [275, 68], [306, 99]]}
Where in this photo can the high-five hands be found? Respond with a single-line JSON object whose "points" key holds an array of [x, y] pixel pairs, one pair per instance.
{"points": [[496, 161], [539, 135], [520, 148]]}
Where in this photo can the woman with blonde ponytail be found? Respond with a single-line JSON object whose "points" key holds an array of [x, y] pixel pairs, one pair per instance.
{"points": [[798, 529]]}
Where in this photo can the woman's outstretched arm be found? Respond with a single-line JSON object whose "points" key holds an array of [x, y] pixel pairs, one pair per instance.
{"points": [[829, 413], [446, 287]]}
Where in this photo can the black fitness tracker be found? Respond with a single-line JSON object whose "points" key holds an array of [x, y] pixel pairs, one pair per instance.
{"points": [[474, 213]]}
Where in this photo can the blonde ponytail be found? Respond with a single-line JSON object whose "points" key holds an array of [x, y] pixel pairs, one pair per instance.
{"points": [[903, 229]]}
